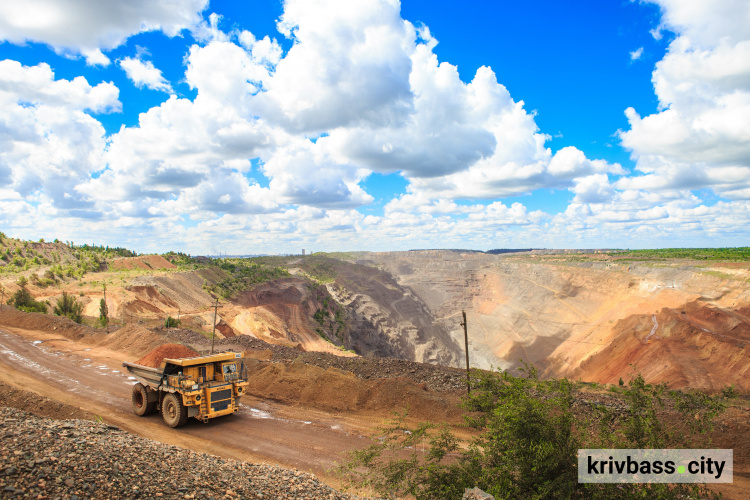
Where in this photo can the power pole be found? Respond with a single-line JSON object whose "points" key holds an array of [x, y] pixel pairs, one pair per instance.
{"points": [[213, 332], [466, 342]]}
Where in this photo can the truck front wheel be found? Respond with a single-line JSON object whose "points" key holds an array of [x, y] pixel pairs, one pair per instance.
{"points": [[173, 411]]}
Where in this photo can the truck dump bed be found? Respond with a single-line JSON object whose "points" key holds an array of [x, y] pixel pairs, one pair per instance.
{"points": [[151, 376]]}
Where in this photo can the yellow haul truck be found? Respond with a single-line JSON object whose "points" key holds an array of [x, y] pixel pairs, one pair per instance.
{"points": [[203, 387]]}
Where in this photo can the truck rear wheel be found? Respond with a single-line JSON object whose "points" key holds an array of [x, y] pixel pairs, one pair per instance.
{"points": [[144, 401], [173, 411]]}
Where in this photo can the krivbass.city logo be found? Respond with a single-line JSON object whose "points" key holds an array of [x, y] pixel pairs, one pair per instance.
{"points": [[655, 466]]}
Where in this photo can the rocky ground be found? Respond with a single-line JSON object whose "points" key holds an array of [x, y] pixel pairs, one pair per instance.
{"points": [[81, 459]]}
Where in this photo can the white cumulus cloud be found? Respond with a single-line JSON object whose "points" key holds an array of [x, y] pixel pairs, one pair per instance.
{"points": [[700, 137], [48, 141], [89, 26], [144, 74]]}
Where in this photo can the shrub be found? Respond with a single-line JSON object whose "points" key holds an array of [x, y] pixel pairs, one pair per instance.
{"points": [[171, 322], [729, 392], [23, 301], [22, 281], [69, 307]]}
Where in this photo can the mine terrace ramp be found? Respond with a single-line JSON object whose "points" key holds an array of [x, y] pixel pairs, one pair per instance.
{"points": [[261, 432]]}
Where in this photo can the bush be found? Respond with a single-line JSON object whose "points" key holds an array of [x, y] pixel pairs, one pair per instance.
{"points": [[22, 281], [528, 443], [23, 301], [729, 392], [171, 322], [69, 307]]}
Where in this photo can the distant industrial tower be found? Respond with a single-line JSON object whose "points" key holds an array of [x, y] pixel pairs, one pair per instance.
{"points": [[303, 252]]}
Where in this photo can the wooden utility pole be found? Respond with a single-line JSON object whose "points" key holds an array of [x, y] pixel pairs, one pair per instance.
{"points": [[466, 342], [213, 332]]}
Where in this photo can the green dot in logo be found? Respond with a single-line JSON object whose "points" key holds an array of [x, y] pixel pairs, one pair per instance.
{"points": [[681, 469]]}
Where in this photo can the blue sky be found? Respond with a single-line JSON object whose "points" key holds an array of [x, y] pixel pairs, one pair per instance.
{"points": [[267, 126]]}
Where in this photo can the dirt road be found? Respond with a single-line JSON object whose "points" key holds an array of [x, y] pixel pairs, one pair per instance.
{"points": [[262, 432]]}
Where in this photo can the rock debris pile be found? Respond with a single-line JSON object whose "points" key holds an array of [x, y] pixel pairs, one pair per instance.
{"points": [[81, 459], [436, 378], [155, 357]]}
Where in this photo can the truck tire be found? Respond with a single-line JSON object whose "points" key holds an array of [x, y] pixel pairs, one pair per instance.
{"points": [[141, 404], [173, 412]]}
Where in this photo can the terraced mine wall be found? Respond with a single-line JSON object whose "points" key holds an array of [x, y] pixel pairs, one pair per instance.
{"points": [[587, 319]]}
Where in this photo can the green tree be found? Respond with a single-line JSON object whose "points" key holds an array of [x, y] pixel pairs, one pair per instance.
{"points": [[23, 301], [103, 313], [171, 322], [69, 307], [528, 443]]}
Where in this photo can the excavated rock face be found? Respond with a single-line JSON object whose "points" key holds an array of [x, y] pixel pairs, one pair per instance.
{"points": [[389, 320], [574, 317]]}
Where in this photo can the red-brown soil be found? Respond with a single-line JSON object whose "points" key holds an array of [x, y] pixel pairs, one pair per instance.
{"points": [[171, 351], [332, 389], [281, 312], [225, 329], [696, 346], [38, 405], [145, 262]]}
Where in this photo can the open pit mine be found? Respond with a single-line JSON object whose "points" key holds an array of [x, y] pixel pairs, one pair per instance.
{"points": [[333, 344]]}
